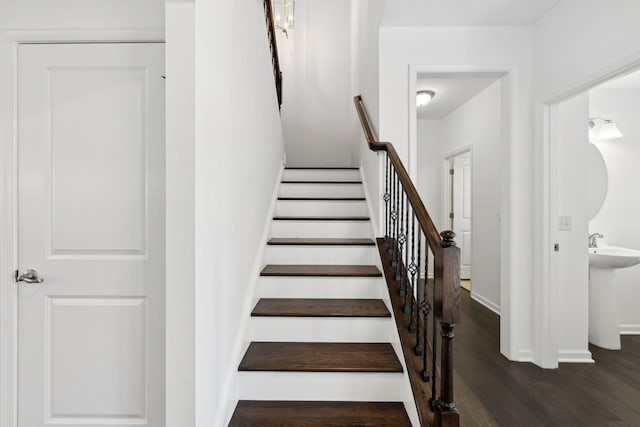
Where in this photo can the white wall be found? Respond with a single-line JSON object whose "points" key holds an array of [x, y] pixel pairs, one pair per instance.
{"points": [[79, 14], [180, 226], [238, 151], [618, 218], [230, 166], [477, 49], [582, 40], [430, 169], [317, 114], [368, 15], [572, 261]]}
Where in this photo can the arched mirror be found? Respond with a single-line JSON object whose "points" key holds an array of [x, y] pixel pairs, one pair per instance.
{"points": [[598, 180]]}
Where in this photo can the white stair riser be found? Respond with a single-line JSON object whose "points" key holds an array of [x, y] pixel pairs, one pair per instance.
{"points": [[321, 175], [331, 229], [359, 255], [321, 287], [321, 208], [321, 190], [321, 329], [351, 386]]}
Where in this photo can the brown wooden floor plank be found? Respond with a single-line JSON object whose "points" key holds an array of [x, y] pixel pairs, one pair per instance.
{"points": [[320, 307], [321, 218], [310, 241], [320, 357], [319, 414], [321, 270]]}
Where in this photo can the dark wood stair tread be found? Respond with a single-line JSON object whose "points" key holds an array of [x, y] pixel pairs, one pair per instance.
{"points": [[296, 181], [310, 241], [321, 218], [318, 198], [321, 270], [260, 413], [320, 357], [320, 307]]}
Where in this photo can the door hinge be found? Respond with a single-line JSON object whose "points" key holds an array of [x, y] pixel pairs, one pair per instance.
{"points": [[451, 171], [451, 215]]}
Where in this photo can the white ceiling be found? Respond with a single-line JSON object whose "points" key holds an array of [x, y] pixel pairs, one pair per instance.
{"points": [[451, 91], [438, 13]]}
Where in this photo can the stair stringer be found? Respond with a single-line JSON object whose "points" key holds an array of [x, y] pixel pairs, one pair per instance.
{"points": [[229, 395]]}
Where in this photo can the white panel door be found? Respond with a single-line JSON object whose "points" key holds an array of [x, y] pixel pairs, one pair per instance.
{"points": [[462, 210], [91, 223]]}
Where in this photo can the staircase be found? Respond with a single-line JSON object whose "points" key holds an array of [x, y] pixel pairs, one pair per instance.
{"points": [[323, 348]]}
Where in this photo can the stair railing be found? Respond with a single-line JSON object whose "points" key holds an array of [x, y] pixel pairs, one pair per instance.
{"points": [[428, 289], [273, 46]]}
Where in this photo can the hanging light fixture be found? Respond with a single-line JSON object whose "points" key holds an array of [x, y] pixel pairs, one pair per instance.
{"points": [[423, 97], [284, 15], [607, 131]]}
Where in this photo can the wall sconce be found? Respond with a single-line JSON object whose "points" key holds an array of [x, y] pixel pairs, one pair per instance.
{"points": [[423, 97], [607, 131], [284, 12]]}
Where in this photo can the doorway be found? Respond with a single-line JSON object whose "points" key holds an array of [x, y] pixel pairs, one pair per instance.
{"points": [[462, 130], [90, 213], [457, 192]]}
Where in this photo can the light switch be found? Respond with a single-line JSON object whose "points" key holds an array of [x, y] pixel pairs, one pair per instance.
{"points": [[564, 224]]}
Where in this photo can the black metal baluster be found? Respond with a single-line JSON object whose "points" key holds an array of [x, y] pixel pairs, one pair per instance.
{"points": [[394, 215], [386, 198], [408, 290], [396, 222], [401, 239], [426, 309], [434, 352], [418, 349], [412, 269]]}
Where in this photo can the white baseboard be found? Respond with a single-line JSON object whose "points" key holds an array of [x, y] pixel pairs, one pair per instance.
{"points": [[629, 329], [484, 301], [575, 356], [229, 394], [525, 356]]}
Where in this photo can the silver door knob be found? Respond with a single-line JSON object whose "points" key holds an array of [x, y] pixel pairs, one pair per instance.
{"points": [[28, 276]]}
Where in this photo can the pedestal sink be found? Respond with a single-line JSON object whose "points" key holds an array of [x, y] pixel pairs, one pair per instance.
{"points": [[604, 328]]}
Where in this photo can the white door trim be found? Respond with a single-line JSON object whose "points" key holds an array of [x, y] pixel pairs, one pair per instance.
{"points": [[447, 190], [545, 171], [446, 182], [510, 317], [9, 42]]}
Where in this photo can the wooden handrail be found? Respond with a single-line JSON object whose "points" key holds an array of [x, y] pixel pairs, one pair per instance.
{"points": [[431, 232], [446, 274], [273, 45]]}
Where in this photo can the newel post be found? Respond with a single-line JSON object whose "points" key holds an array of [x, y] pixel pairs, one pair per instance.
{"points": [[447, 310]]}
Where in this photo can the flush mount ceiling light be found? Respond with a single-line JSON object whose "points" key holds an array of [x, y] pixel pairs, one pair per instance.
{"points": [[423, 97], [606, 131], [284, 15]]}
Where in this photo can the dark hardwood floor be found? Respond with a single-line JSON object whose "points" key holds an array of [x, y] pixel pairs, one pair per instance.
{"points": [[491, 391]]}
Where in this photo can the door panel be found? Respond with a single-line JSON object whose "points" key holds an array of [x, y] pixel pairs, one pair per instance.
{"points": [[91, 222], [461, 189]]}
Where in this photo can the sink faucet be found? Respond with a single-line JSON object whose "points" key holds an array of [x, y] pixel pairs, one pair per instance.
{"points": [[593, 243]]}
